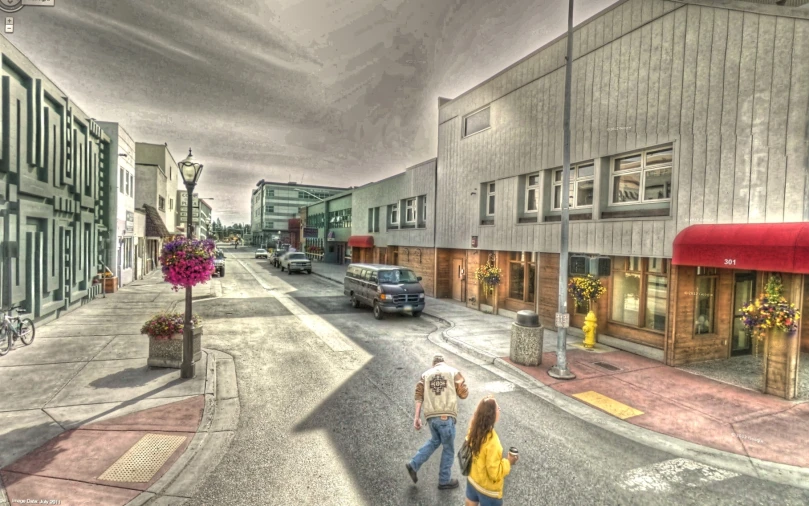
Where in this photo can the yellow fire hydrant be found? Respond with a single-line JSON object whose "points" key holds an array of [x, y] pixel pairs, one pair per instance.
{"points": [[589, 329]]}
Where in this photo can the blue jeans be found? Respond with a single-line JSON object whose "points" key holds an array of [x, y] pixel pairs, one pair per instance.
{"points": [[443, 433]]}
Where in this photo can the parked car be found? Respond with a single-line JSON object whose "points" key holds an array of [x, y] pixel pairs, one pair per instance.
{"points": [[262, 253], [386, 288], [219, 263], [296, 262]]}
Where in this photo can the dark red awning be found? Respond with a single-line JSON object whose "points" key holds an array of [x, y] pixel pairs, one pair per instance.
{"points": [[361, 241], [776, 247]]}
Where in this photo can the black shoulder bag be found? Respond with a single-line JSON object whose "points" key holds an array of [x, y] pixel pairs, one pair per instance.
{"points": [[465, 458]]}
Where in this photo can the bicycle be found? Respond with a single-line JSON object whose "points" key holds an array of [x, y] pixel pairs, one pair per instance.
{"points": [[13, 328]]}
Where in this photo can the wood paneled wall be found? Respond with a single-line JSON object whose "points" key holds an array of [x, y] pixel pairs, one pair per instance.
{"points": [[721, 84], [422, 262]]}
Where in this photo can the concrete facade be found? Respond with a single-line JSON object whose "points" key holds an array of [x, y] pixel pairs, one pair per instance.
{"points": [[158, 178], [333, 218], [121, 218], [55, 197]]}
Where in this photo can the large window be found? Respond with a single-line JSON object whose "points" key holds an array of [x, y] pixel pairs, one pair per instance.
{"points": [[269, 192], [394, 214], [641, 177], [373, 219], [410, 211], [522, 276], [489, 199], [582, 187], [705, 301], [340, 219], [476, 122], [532, 193], [423, 217], [269, 209], [640, 292]]}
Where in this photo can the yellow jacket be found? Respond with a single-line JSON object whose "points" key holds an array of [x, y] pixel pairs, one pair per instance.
{"points": [[489, 468]]}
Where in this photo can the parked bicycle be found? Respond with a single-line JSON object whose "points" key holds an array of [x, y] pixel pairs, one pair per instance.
{"points": [[13, 328]]}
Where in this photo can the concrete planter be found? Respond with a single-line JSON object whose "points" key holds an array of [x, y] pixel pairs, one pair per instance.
{"points": [[169, 352]]}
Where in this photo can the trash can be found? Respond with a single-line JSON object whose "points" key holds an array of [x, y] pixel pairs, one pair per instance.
{"points": [[526, 339]]}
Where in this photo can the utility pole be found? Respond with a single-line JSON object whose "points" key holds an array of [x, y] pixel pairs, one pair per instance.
{"points": [[560, 370]]}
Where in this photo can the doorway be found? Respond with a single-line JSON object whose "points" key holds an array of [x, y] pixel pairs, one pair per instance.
{"points": [[744, 290], [457, 279]]}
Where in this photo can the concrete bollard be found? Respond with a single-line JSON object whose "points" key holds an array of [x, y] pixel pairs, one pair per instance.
{"points": [[526, 339]]}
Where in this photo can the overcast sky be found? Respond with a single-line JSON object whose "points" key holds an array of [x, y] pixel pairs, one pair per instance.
{"points": [[330, 92]]}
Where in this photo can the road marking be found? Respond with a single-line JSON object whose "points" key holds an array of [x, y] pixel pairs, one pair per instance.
{"points": [[499, 386], [611, 406], [662, 476], [324, 330]]}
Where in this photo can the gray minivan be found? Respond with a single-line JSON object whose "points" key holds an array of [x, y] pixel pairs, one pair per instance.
{"points": [[386, 288]]}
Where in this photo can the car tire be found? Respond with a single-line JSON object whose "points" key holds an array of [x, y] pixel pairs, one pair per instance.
{"points": [[222, 273], [289, 272], [282, 268], [416, 313], [355, 303], [378, 314]]}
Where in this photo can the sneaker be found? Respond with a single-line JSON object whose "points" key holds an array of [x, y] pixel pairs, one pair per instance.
{"points": [[412, 473], [453, 483]]}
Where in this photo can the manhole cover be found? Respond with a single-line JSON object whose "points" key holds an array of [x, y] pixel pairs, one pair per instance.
{"points": [[606, 366], [144, 459]]}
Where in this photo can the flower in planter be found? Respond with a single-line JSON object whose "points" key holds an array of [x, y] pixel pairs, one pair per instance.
{"points": [[488, 275], [585, 289], [165, 325], [186, 262]]}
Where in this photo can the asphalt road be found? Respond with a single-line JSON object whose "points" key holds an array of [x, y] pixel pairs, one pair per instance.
{"points": [[326, 398]]}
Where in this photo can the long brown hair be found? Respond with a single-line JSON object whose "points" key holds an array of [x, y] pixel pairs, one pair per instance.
{"points": [[482, 423]]}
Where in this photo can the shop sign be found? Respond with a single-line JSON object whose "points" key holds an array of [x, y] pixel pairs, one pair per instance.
{"points": [[130, 222], [310, 233]]}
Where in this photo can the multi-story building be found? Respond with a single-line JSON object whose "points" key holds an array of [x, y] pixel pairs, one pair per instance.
{"points": [[272, 205], [688, 172], [157, 179], [122, 253], [200, 215], [54, 195], [392, 222]]}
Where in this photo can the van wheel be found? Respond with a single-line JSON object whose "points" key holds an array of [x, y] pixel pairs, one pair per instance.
{"points": [[378, 312], [354, 302], [416, 313]]}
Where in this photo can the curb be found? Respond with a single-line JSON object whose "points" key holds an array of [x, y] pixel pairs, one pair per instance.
{"points": [[779, 473], [326, 277], [220, 420]]}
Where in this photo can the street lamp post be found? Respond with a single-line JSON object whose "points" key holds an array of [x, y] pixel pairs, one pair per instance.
{"points": [[560, 370], [190, 171]]}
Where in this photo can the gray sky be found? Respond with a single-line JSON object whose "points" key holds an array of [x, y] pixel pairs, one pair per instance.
{"points": [[334, 92]]}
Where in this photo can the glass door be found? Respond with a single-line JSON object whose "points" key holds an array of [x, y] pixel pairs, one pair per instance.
{"points": [[744, 290]]}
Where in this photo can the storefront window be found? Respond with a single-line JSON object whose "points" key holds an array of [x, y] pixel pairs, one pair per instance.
{"points": [[522, 276], [705, 301], [640, 292]]}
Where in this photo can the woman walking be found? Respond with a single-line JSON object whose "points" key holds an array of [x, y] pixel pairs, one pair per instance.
{"points": [[489, 468]]}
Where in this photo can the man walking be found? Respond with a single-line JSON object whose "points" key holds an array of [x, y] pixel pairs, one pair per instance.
{"points": [[437, 393]]}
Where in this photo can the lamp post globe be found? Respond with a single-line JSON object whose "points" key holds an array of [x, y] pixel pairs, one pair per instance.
{"points": [[190, 170]]}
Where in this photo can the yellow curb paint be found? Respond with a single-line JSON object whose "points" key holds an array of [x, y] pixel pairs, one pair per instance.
{"points": [[611, 406]]}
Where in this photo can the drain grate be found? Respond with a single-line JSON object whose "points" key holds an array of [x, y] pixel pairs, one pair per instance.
{"points": [[605, 365], [141, 462]]}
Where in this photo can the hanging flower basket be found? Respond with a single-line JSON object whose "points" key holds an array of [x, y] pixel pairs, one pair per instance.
{"points": [[586, 289], [186, 262], [488, 275], [770, 311]]}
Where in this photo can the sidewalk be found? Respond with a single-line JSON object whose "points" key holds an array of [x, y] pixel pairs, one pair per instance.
{"points": [[640, 391], [83, 420]]}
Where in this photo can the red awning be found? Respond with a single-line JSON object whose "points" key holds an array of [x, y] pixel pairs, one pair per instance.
{"points": [[776, 247], [361, 241]]}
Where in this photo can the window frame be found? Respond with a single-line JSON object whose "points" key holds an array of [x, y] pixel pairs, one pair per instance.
{"points": [[711, 273], [394, 212], [644, 168], [491, 193], [532, 187], [528, 259], [643, 272], [575, 179], [410, 210], [161, 204], [464, 133], [123, 182]]}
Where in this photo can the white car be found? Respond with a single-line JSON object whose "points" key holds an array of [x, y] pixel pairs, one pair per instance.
{"points": [[262, 253], [296, 261]]}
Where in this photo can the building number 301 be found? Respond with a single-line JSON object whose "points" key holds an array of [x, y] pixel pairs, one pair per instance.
{"points": [[730, 261]]}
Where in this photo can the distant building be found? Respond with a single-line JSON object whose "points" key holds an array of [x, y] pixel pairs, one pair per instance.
{"points": [[273, 204], [157, 180], [200, 215]]}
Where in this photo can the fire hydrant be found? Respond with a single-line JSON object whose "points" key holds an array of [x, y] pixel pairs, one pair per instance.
{"points": [[589, 329]]}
